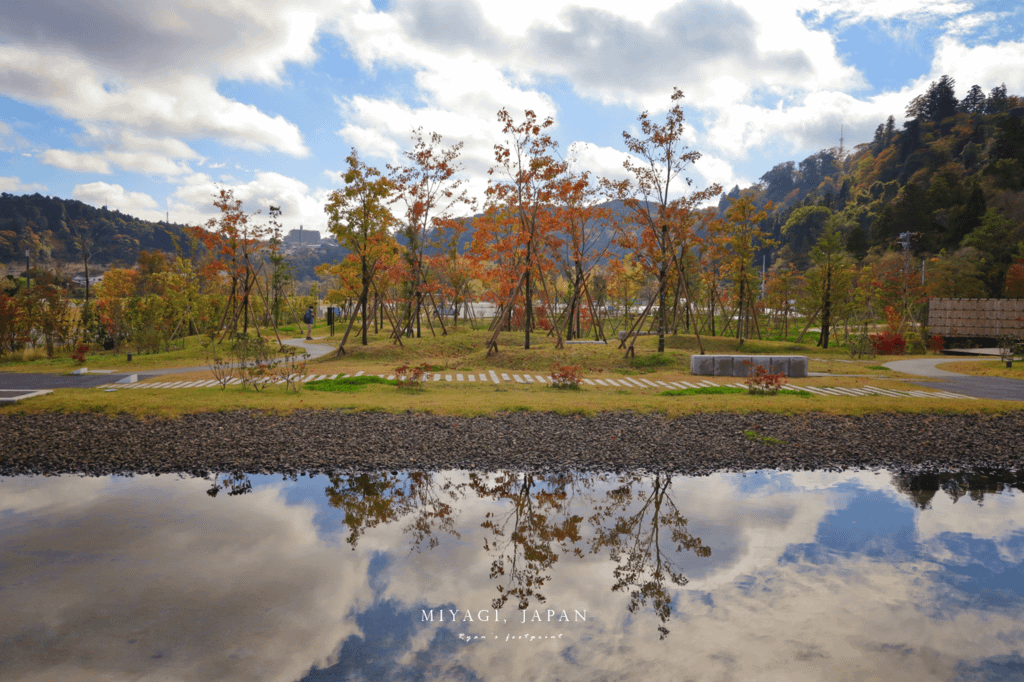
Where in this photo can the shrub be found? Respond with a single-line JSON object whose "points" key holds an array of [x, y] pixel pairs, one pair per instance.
{"points": [[888, 343], [936, 343], [763, 382], [861, 346], [566, 377], [78, 355], [408, 377]]}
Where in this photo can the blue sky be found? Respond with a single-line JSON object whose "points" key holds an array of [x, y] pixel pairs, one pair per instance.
{"points": [[148, 108]]}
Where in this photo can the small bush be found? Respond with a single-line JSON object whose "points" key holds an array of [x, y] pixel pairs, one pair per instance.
{"points": [[411, 378], [936, 344], [888, 343], [566, 377], [763, 382], [861, 346], [78, 355]]}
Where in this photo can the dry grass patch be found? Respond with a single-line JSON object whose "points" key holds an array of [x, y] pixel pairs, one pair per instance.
{"points": [[985, 368]]}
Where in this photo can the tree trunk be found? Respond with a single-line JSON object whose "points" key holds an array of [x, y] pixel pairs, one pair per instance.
{"points": [[528, 322], [826, 309], [362, 302]]}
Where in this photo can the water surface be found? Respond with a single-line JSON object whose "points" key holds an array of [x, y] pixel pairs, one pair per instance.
{"points": [[508, 575]]}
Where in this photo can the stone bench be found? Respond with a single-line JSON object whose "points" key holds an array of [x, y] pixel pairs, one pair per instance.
{"points": [[793, 366]]}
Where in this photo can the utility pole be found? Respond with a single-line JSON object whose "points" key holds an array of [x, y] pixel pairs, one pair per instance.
{"points": [[904, 241]]}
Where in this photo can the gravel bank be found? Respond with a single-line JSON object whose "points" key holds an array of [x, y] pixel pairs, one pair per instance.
{"points": [[318, 442]]}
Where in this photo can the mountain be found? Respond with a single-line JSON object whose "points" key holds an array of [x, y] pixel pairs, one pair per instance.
{"points": [[47, 227], [952, 177]]}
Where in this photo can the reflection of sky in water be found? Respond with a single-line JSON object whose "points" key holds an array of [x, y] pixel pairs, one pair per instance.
{"points": [[791, 576]]}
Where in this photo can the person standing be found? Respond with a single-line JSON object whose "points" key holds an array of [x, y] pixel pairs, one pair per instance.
{"points": [[308, 319]]}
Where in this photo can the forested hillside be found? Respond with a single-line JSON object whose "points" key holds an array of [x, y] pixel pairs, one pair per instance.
{"points": [[952, 177], [50, 227]]}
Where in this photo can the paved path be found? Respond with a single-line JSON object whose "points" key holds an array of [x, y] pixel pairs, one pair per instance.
{"points": [[993, 388]]}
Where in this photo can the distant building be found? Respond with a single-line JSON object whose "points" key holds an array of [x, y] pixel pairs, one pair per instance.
{"points": [[301, 237]]}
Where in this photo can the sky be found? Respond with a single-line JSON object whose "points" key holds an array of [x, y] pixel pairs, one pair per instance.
{"points": [[149, 108]]}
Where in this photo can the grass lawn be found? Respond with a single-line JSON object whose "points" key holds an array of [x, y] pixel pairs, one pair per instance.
{"points": [[463, 351], [987, 368]]}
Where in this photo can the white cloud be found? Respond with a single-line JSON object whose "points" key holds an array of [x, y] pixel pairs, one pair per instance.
{"points": [[137, 204], [860, 11], [192, 201], [168, 581], [11, 141], [161, 104], [13, 184], [985, 65], [75, 161]]}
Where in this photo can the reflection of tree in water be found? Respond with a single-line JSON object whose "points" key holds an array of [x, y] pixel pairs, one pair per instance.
{"points": [[233, 484], [645, 534], [528, 537], [921, 488], [540, 517], [370, 499]]}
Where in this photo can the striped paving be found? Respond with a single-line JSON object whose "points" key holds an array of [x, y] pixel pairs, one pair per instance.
{"points": [[539, 380]]}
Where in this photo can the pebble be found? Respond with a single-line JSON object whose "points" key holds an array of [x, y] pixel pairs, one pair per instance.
{"points": [[314, 442]]}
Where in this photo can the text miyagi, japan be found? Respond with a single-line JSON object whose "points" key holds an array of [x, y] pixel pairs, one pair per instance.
{"points": [[484, 616]]}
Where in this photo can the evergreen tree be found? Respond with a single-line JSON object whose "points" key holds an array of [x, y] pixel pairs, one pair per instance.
{"points": [[974, 101], [997, 101]]}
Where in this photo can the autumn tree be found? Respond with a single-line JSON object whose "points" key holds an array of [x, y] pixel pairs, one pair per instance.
{"points": [[517, 224], [582, 220], [239, 243], [358, 216], [659, 230], [1014, 287], [430, 192]]}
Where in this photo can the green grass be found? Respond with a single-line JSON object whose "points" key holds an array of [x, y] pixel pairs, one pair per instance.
{"points": [[704, 390], [758, 438], [879, 367], [652, 362], [347, 385]]}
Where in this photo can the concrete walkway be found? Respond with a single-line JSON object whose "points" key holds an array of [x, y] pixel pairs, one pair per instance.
{"points": [[993, 388]]}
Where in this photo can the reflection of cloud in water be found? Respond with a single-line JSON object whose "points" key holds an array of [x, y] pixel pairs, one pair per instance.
{"points": [[152, 578], [853, 610], [160, 581]]}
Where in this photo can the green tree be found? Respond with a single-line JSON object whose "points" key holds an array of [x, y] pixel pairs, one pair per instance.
{"points": [[829, 256], [802, 230], [359, 218], [744, 237]]}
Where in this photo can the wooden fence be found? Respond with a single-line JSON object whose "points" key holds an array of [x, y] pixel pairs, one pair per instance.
{"points": [[988, 317]]}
